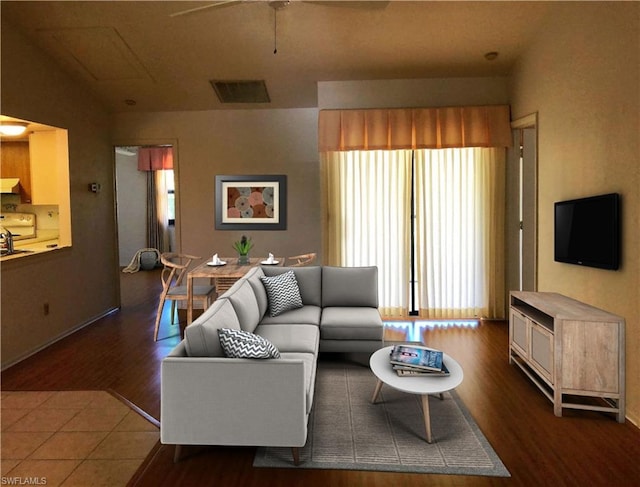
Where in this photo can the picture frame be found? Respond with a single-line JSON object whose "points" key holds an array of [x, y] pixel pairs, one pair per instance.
{"points": [[251, 202]]}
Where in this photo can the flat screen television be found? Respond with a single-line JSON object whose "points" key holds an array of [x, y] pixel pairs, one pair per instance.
{"points": [[587, 231]]}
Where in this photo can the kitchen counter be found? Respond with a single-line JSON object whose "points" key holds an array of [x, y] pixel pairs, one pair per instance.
{"points": [[46, 241], [39, 245], [31, 249]]}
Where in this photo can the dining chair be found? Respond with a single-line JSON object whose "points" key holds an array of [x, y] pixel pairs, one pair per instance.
{"points": [[173, 273], [302, 260]]}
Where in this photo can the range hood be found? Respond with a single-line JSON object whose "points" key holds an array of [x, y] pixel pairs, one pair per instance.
{"points": [[10, 185]]}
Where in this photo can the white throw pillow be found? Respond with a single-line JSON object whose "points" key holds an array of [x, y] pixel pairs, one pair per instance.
{"points": [[243, 344], [283, 293]]}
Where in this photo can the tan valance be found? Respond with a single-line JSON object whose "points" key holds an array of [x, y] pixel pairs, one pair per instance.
{"points": [[414, 128]]}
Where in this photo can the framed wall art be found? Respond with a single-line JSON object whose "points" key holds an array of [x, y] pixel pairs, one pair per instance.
{"points": [[251, 202]]}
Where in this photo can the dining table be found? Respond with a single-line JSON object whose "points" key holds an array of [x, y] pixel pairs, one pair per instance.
{"points": [[229, 269]]}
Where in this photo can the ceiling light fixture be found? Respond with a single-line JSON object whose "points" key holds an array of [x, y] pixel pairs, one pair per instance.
{"points": [[13, 129], [490, 56]]}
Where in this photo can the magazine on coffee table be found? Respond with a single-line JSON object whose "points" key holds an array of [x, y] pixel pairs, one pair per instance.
{"points": [[407, 371], [416, 356]]}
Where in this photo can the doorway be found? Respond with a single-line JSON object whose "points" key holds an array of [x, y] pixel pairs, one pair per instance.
{"points": [[145, 205], [522, 203]]}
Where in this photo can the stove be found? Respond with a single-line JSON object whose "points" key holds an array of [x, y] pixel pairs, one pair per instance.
{"points": [[21, 225]]}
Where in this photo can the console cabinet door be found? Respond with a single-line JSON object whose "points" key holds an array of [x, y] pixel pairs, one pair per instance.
{"points": [[542, 350], [519, 334], [591, 356]]}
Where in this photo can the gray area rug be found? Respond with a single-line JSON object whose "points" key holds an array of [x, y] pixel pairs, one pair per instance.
{"points": [[347, 432]]}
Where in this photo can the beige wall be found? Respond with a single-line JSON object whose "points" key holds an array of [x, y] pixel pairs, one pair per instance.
{"points": [[581, 74], [79, 283], [237, 142], [406, 93], [131, 191]]}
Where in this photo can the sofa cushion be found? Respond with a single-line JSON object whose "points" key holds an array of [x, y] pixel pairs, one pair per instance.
{"points": [[253, 276], [350, 286], [307, 315], [292, 338], [201, 336], [347, 323], [283, 293], [309, 281], [243, 299], [243, 344]]}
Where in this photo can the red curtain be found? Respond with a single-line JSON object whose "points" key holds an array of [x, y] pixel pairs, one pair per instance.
{"points": [[155, 158]]}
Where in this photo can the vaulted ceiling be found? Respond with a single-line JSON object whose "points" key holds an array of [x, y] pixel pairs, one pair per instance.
{"points": [[141, 56]]}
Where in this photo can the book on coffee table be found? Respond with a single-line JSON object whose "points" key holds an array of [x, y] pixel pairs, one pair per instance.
{"points": [[419, 357]]}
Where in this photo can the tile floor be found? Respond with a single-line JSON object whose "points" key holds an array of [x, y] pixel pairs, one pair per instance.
{"points": [[71, 438]]}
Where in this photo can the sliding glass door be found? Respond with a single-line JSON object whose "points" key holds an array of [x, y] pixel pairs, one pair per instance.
{"points": [[455, 242]]}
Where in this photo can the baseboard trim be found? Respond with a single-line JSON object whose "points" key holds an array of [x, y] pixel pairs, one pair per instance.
{"points": [[57, 338]]}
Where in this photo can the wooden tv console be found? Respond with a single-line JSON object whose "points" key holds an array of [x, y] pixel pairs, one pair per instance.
{"points": [[573, 352]]}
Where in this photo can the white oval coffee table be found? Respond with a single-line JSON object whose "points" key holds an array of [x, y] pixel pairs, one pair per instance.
{"points": [[423, 385]]}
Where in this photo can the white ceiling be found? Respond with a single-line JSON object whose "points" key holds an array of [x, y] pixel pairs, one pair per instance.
{"points": [[138, 51]]}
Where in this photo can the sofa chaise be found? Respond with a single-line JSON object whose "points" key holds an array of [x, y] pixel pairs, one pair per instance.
{"points": [[211, 398]]}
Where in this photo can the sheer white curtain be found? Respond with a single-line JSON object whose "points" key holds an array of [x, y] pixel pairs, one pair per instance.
{"points": [[460, 232], [367, 203], [459, 226]]}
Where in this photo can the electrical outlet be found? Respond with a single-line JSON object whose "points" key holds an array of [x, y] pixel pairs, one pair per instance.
{"points": [[45, 308]]}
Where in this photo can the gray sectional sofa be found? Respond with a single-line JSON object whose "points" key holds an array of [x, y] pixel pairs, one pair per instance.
{"points": [[208, 398]]}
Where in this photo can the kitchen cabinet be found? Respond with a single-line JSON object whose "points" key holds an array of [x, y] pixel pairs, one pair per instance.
{"points": [[15, 164], [573, 352]]}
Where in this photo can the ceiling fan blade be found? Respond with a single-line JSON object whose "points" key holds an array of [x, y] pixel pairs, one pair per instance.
{"points": [[362, 4], [220, 3]]}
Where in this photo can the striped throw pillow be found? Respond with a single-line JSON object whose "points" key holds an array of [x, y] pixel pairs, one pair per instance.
{"points": [[283, 293], [243, 344]]}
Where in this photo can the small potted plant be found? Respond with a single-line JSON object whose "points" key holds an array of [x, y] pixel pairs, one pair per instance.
{"points": [[243, 246]]}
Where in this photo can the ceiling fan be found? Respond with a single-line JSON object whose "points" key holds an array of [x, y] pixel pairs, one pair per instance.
{"points": [[279, 5]]}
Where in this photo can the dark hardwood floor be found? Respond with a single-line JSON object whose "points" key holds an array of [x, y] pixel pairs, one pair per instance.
{"points": [[118, 353]]}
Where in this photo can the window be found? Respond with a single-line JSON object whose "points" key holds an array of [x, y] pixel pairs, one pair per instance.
{"points": [[171, 196]]}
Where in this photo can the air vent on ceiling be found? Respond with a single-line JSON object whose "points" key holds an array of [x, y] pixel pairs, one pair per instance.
{"points": [[241, 91]]}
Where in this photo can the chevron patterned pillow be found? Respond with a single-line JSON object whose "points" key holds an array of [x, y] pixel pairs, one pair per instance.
{"points": [[283, 293], [243, 344]]}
